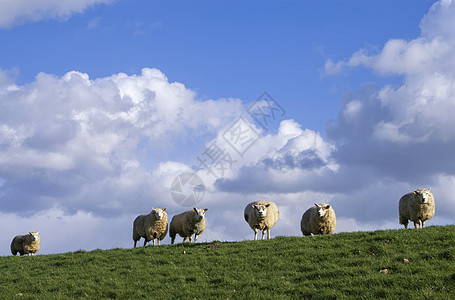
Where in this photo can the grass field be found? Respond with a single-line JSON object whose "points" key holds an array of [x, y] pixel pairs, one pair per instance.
{"points": [[415, 264]]}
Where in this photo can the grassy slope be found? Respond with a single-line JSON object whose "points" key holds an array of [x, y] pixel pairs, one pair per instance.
{"points": [[344, 265]]}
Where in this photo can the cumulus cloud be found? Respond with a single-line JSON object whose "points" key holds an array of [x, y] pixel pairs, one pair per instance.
{"points": [[18, 12], [408, 128], [81, 150], [385, 142], [76, 144], [284, 162], [402, 135], [430, 53]]}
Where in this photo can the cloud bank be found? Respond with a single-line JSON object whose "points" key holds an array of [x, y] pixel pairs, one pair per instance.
{"points": [[18, 12], [79, 153], [385, 141], [78, 144]]}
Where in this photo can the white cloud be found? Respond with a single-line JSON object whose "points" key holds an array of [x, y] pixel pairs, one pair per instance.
{"points": [[352, 109], [431, 53], [76, 144], [18, 12], [286, 162], [81, 153], [418, 111], [386, 141], [331, 68]]}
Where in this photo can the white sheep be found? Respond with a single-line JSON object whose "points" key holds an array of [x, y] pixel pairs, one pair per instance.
{"points": [[417, 206], [188, 223], [150, 226], [318, 219], [261, 215], [26, 244]]}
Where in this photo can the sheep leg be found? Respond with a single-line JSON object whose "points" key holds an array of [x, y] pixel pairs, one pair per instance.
{"points": [[423, 224], [255, 234], [145, 242], [185, 238], [195, 238], [158, 242], [191, 238], [135, 244], [263, 233], [153, 242], [268, 234], [172, 241]]}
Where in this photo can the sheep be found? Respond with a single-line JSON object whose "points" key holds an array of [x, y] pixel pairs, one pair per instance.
{"points": [[26, 244], [417, 206], [318, 219], [188, 223], [261, 215], [150, 226]]}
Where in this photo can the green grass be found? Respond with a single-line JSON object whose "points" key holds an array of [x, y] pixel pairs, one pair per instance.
{"points": [[338, 266]]}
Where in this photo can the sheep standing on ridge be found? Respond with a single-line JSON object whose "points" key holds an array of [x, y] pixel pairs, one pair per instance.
{"points": [[188, 223], [26, 243], [150, 226], [261, 215], [417, 206], [318, 219]]}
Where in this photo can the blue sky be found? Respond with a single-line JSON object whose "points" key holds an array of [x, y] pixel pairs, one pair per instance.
{"points": [[103, 103], [219, 48]]}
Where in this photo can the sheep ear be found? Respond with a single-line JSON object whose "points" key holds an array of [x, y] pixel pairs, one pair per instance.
{"points": [[267, 205], [37, 232], [415, 192], [316, 205], [164, 209], [206, 209], [30, 232], [328, 206], [253, 206], [429, 189], [195, 209]]}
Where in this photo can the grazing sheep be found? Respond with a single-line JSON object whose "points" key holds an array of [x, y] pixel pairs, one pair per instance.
{"points": [[262, 215], [318, 219], [188, 223], [417, 206], [150, 226], [25, 243]]}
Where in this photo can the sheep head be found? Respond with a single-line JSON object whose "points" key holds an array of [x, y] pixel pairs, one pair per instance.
{"points": [[34, 235], [322, 209], [200, 213], [260, 209], [423, 195], [158, 213]]}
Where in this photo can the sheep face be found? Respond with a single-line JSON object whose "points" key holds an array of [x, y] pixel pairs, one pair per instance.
{"points": [[260, 210], [322, 209], [200, 213], [35, 235], [158, 213], [423, 195]]}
